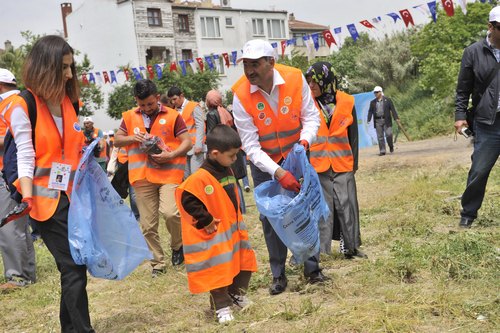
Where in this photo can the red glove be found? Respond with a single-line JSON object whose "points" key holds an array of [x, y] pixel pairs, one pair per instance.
{"points": [[304, 143], [288, 182], [20, 210]]}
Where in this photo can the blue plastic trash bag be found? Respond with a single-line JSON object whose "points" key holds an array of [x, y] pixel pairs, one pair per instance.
{"points": [[102, 230], [293, 216]]}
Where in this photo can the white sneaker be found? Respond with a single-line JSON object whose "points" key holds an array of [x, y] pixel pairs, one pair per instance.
{"points": [[224, 315], [241, 301]]}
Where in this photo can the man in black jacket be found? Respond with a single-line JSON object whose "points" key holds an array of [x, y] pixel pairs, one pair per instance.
{"points": [[479, 77], [381, 109]]}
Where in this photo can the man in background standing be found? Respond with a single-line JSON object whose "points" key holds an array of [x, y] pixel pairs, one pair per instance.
{"points": [[381, 109]]}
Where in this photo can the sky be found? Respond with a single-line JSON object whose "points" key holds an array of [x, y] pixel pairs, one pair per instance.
{"points": [[44, 16]]}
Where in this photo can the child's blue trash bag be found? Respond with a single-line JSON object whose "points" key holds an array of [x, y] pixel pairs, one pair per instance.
{"points": [[102, 230], [295, 216]]}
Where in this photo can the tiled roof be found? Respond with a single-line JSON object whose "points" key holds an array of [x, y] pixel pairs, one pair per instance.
{"points": [[301, 25]]}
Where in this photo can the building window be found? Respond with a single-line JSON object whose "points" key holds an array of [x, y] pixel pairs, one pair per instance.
{"points": [[229, 22], [298, 38], [210, 27], [258, 27], [276, 28], [187, 54], [158, 53], [183, 23], [220, 66], [321, 41], [154, 17]]}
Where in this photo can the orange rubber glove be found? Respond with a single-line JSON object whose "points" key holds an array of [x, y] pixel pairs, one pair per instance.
{"points": [[304, 143], [288, 182], [20, 210]]}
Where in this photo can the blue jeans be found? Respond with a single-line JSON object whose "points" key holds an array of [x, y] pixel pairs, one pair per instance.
{"points": [[484, 157]]}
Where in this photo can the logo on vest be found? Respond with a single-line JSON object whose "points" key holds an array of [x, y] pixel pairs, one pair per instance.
{"points": [[137, 130], [284, 110], [209, 189], [262, 115], [260, 106], [268, 121], [76, 127], [162, 121], [287, 100]]}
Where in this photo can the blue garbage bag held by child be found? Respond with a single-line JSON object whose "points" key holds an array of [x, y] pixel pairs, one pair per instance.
{"points": [[295, 217], [102, 230]]}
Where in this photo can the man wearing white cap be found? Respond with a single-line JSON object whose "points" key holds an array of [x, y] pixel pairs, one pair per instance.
{"points": [[479, 77], [273, 101], [16, 244], [92, 133], [381, 109]]}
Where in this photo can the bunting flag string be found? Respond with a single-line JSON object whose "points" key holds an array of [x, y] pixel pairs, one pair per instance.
{"points": [[311, 42]]}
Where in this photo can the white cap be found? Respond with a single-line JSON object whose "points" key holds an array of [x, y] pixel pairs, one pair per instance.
{"points": [[495, 14], [256, 49], [111, 132], [88, 120], [377, 89], [6, 76]]}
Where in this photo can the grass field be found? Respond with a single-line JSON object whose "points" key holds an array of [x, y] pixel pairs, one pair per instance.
{"points": [[424, 274]]}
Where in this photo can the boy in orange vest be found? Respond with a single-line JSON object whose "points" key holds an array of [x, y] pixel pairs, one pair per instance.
{"points": [[218, 255]]}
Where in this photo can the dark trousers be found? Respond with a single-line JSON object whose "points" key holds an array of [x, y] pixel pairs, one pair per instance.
{"points": [[74, 308], [220, 298], [484, 157], [384, 133], [277, 250]]}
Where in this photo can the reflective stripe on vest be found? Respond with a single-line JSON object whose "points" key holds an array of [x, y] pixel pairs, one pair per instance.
{"points": [[217, 260], [218, 238], [278, 129]]}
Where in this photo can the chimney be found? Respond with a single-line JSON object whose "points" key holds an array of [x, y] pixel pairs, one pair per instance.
{"points": [[66, 9], [8, 45], [291, 17]]}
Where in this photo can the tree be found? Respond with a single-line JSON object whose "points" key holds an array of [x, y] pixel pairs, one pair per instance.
{"points": [[297, 60], [90, 94]]}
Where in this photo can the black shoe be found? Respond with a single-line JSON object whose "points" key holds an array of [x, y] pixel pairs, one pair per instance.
{"points": [[381, 154], [279, 285], [392, 150], [317, 277], [157, 272], [177, 257], [355, 253], [465, 222]]}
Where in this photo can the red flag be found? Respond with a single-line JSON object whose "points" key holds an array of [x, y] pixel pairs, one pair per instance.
{"points": [[406, 16], [173, 66], [329, 38], [367, 24], [106, 76], [150, 71], [448, 7], [85, 81], [126, 72], [226, 59], [283, 47], [200, 63]]}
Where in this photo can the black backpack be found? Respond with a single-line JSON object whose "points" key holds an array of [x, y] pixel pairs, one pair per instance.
{"points": [[9, 171]]}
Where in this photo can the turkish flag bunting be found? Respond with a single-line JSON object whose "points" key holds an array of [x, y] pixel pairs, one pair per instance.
{"points": [[126, 72], [283, 47], [106, 76], [226, 59], [200, 63], [367, 24], [173, 66], [448, 7], [407, 18], [329, 37], [150, 71], [85, 81]]}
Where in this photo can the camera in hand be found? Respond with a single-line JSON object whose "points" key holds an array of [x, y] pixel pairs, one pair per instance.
{"points": [[466, 132]]}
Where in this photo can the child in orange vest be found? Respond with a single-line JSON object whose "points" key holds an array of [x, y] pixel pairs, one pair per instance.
{"points": [[218, 255]]}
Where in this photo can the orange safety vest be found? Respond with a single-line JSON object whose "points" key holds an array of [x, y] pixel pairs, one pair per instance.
{"points": [[50, 148], [332, 148], [277, 133], [103, 155], [139, 164], [122, 156], [212, 261], [187, 115], [3, 127]]}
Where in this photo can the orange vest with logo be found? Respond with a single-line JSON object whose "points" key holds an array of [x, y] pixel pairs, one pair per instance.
{"points": [[212, 261], [51, 147], [277, 133], [187, 115], [331, 148], [140, 166]]}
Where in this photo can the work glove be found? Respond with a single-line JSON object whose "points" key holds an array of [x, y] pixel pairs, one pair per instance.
{"points": [[20, 210], [304, 143], [288, 182]]}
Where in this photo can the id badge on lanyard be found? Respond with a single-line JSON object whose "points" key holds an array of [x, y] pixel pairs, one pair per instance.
{"points": [[59, 176]]}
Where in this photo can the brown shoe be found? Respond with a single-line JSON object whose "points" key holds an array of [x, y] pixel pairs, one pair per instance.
{"points": [[8, 287]]}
